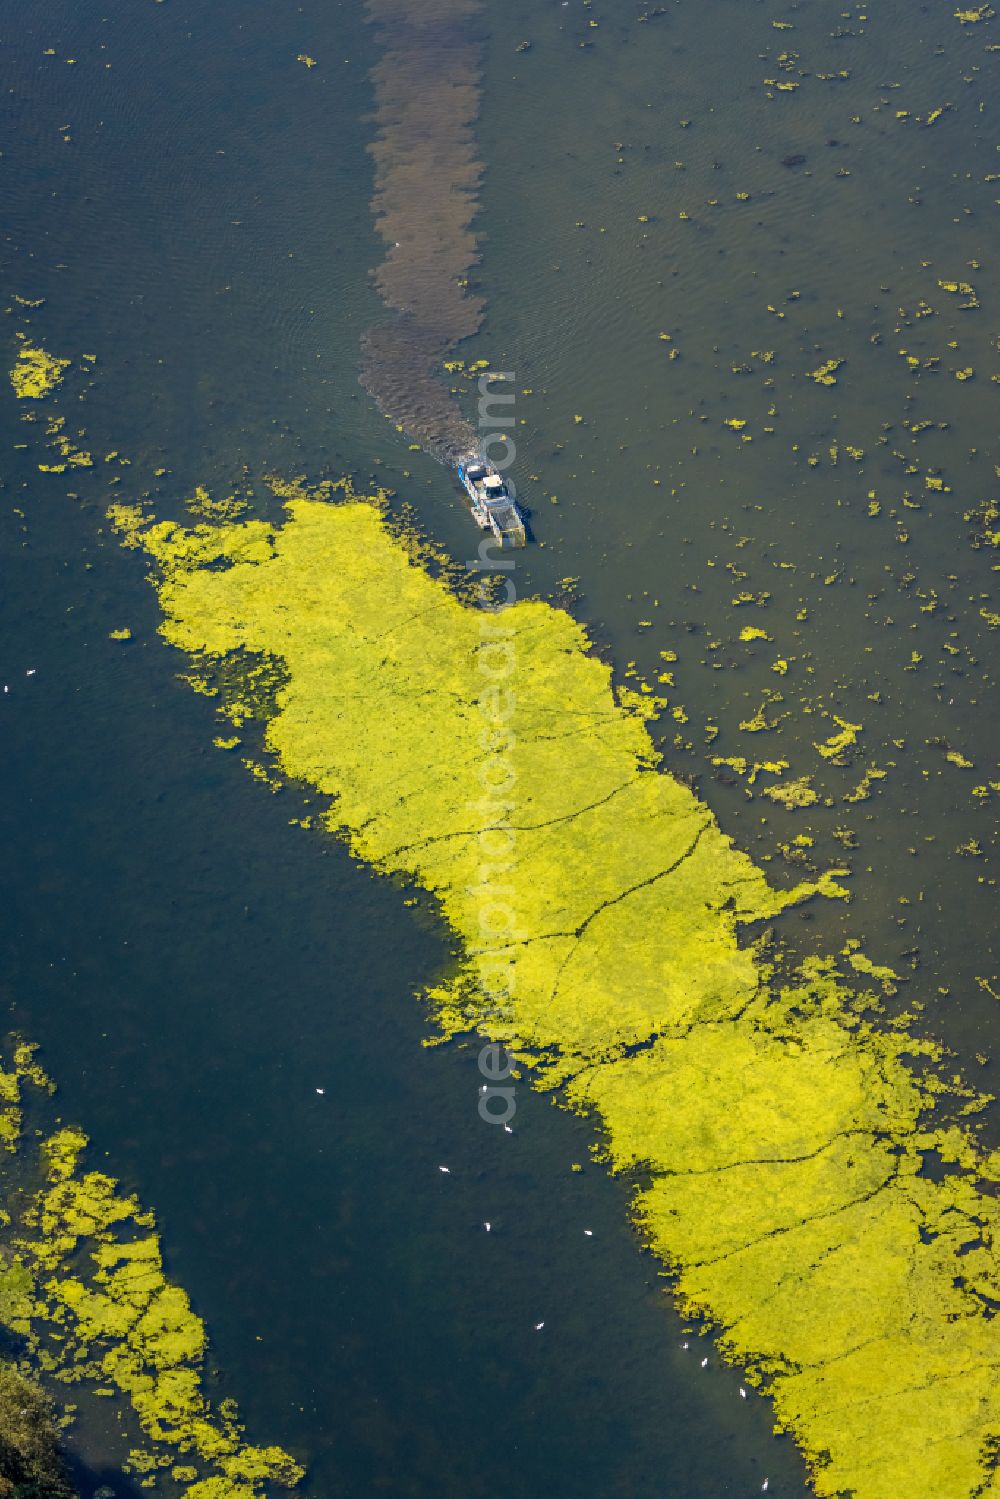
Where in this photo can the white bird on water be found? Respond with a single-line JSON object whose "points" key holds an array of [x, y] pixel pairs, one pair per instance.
{"points": [[506, 1129], [445, 1169], [743, 1393], [704, 1362], [589, 1232], [765, 1485], [487, 1225], [321, 1091], [539, 1326]]}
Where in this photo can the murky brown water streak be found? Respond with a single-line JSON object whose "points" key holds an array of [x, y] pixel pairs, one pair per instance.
{"points": [[426, 180]]}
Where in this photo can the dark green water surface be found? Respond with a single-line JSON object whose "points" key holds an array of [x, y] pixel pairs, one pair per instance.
{"points": [[194, 967]]}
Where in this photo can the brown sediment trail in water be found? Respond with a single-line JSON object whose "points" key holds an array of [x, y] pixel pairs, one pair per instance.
{"points": [[426, 180]]}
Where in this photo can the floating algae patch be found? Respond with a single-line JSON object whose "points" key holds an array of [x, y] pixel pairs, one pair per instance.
{"points": [[779, 1127], [792, 794], [83, 1288], [35, 371], [426, 180]]}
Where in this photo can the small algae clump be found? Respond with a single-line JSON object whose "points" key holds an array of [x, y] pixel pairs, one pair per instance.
{"points": [[779, 1127], [82, 1286], [792, 794], [836, 747], [205, 507], [826, 374], [863, 789], [35, 372]]}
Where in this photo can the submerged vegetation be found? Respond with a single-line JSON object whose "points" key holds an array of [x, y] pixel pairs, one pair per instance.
{"points": [[31, 1465], [780, 1126]]}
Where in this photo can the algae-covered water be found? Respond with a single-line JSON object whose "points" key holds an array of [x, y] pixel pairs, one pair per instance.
{"points": [[188, 200]]}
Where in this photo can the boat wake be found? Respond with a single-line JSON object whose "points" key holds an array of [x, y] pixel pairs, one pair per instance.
{"points": [[399, 361], [426, 181]]}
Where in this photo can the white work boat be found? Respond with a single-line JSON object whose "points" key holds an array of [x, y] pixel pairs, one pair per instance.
{"points": [[492, 502]]}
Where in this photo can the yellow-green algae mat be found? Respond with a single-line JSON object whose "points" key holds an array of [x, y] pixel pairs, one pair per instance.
{"points": [[82, 1287], [780, 1126]]}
